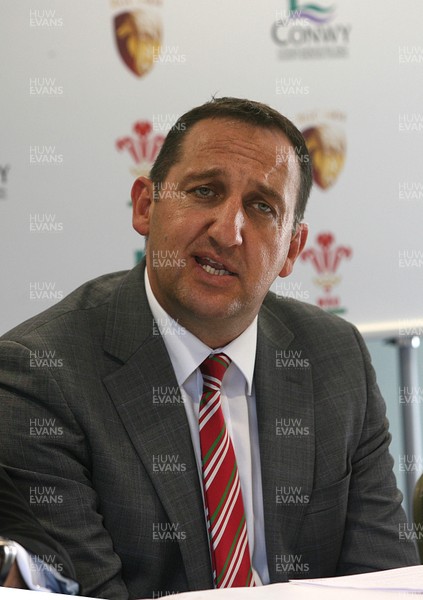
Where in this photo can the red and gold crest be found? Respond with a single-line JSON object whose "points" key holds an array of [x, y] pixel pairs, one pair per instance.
{"points": [[327, 147], [138, 35]]}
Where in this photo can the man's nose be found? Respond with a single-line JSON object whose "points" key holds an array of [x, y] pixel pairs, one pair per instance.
{"points": [[228, 222]]}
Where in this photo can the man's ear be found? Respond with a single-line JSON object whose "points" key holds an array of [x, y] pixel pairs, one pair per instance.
{"points": [[142, 199], [296, 246]]}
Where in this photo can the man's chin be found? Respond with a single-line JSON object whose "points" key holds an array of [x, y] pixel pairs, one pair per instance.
{"points": [[216, 311]]}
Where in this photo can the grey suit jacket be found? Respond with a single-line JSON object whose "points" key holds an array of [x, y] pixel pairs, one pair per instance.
{"points": [[81, 430]]}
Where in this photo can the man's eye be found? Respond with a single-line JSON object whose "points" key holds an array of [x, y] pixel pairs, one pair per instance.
{"points": [[204, 192], [263, 207]]}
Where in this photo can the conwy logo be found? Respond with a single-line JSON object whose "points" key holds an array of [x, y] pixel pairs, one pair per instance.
{"points": [[138, 36], [326, 259], [142, 147], [310, 31]]}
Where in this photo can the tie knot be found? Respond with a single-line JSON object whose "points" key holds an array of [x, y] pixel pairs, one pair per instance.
{"points": [[215, 366]]}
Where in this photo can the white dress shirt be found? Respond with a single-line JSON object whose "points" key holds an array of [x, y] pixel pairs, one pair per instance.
{"points": [[186, 354]]}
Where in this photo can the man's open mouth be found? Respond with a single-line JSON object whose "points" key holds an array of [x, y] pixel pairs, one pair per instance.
{"points": [[212, 267]]}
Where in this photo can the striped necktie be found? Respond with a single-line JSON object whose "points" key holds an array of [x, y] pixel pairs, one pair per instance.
{"points": [[222, 490]]}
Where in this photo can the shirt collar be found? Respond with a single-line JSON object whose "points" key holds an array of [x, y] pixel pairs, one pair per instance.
{"points": [[187, 352]]}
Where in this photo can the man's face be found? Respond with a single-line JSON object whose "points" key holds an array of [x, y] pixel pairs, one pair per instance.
{"points": [[221, 230]]}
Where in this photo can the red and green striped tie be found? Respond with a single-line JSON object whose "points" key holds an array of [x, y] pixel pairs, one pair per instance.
{"points": [[222, 490]]}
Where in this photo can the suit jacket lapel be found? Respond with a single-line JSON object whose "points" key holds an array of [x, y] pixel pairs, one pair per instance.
{"points": [[285, 413], [156, 428]]}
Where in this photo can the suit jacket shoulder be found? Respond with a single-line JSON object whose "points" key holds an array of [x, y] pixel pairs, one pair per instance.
{"points": [[93, 294], [303, 318], [332, 345]]}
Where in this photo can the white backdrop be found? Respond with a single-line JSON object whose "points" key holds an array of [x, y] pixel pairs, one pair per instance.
{"points": [[71, 146]]}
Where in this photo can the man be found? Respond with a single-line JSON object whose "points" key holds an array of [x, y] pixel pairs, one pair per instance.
{"points": [[46, 564], [129, 404]]}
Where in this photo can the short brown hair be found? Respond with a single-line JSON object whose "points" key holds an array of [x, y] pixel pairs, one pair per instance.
{"points": [[248, 111]]}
